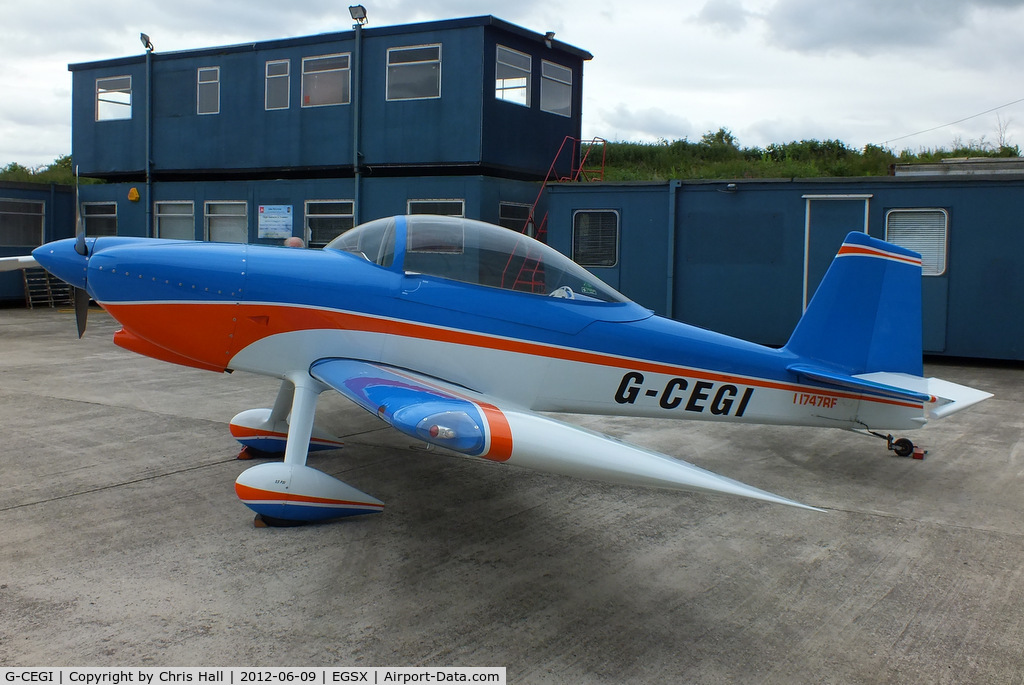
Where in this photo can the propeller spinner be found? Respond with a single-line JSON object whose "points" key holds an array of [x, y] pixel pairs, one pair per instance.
{"points": [[68, 260]]}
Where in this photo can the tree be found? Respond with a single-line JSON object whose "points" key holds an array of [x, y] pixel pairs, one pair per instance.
{"points": [[60, 171]]}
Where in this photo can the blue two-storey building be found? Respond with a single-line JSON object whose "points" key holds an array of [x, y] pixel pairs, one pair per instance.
{"points": [[307, 136]]}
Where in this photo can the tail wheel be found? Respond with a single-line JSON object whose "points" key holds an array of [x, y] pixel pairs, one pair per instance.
{"points": [[903, 447]]}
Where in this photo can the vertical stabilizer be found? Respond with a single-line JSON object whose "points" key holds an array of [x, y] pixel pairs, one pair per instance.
{"points": [[866, 314]]}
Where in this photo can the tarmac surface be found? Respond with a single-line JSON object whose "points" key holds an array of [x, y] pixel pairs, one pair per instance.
{"points": [[123, 542]]}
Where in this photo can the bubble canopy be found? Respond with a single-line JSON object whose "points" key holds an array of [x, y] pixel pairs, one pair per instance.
{"points": [[472, 252]]}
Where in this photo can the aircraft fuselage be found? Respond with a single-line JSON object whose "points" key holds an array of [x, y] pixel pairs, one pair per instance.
{"points": [[264, 309]]}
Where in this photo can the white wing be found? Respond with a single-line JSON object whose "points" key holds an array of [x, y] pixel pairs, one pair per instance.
{"points": [[459, 419], [15, 263]]}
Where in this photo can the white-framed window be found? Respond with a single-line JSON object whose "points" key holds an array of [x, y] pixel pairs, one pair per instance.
{"points": [[514, 215], [21, 223], [278, 84], [595, 237], [175, 219], [327, 219], [208, 90], [555, 88], [925, 231], [414, 72], [99, 218], [443, 207], [226, 221], [512, 75], [113, 98], [326, 80]]}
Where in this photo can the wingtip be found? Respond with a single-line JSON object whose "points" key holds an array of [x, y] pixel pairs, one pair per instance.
{"points": [[15, 263], [800, 505], [765, 496]]}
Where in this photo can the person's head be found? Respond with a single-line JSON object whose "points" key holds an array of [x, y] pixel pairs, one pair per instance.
{"points": [[294, 241]]}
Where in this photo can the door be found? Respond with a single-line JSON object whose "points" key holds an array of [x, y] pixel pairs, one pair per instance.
{"points": [[827, 220]]}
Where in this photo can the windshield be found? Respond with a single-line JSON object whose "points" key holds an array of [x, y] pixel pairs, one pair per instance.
{"points": [[475, 252], [374, 240]]}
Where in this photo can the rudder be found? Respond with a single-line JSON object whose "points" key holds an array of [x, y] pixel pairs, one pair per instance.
{"points": [[866, 314]]}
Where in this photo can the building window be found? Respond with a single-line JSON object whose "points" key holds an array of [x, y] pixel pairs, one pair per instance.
{"points": [[99, 218], [595, 238], [512, 76], [208, 90], [325, 80], [514, 216], [175, 220], [327, 219], [442, 207], [278, 84], [555, 89], [21, 223], [414, 73], [113, 98], [924, 231], [226, 222]]}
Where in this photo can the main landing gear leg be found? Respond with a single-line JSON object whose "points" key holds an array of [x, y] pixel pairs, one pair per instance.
{"points": [[278, 417], [302, 394], [264, 432], [287, 493]]}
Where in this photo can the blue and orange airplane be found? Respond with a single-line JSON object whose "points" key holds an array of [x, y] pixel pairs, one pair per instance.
{"points": [[459, 333]]}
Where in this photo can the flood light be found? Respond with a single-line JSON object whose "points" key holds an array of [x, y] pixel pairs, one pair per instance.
{"points": [[358, 13]]}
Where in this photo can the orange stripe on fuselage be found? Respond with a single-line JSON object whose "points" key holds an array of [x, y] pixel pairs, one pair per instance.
{"points": [[129, 341], [186, 327]]}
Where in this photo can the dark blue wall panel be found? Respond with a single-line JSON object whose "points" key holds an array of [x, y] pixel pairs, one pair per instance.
{"points": [[381, 197], [58, 222], [740, 252]]}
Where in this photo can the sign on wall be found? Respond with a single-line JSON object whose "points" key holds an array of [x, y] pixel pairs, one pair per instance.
{"points": [[275, 221]]}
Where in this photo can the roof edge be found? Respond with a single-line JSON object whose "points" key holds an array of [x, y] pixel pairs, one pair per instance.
{"points": [[397, 29]]}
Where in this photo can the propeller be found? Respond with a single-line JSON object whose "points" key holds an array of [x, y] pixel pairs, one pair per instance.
{"points": [[80, 295], [81, 309], [80, 246]]}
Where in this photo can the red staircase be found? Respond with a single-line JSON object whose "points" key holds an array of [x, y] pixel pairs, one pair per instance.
{"points": [[586, 163]]}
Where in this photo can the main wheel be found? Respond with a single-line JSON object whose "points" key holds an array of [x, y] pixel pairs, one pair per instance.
{"points": [[261, 521]]}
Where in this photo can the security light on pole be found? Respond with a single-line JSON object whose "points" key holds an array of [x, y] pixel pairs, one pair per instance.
{"points": [[358, 13]]}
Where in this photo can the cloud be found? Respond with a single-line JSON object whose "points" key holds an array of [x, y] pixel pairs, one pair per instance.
{"points": [[730, 15], [869, 27], [641, 124]]}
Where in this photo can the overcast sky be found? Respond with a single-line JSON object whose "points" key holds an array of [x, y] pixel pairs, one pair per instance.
{"points": [[771, 71]]}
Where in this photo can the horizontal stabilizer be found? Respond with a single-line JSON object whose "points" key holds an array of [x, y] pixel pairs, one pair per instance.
{"points": [[949, 397], [860, 383], [940, 398]]}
